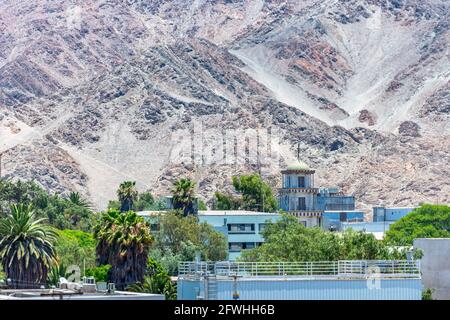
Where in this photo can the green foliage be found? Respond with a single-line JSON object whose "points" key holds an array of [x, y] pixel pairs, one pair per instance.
{"points": [[26, 247], [257, 195], [226, 201], [288, 240], [157, 280], [201, 205], [183, 237], [123, 242], [75, 247], [71, 213], [145, 201], [427, 221], [56, 272], [184, 196], [127, 195], [100, 273], [427, 294]]}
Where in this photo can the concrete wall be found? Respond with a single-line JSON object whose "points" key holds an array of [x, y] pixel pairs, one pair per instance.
{"points": [[435, 266]]}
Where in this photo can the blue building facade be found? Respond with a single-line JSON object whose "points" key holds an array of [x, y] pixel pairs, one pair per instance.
{"points": [[390, 213], [333, 280], [333, 220], [325, 207], [242, 228]]}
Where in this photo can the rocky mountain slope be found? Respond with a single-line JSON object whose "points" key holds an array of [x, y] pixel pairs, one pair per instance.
{"points": [[96, 92]]}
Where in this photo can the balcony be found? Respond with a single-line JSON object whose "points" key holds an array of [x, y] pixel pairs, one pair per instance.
{"points": [[346, 269], [283, 191]]}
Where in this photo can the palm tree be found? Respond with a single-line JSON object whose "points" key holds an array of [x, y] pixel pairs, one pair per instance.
{"points": [[123, 243], [127, 194], [184, 195], [76, 199], [26, 247]]}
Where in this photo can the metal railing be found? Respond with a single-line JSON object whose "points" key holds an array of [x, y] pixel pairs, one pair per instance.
{"points": [[342, 268]]}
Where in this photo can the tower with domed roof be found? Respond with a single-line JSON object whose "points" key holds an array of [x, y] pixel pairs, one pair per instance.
{"points": [[298, 196]]}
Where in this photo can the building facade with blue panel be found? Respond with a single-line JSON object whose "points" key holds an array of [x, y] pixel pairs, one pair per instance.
{"points": [[333, 220], [242, 228], [299, 197], [338, 280], [390, 213]]}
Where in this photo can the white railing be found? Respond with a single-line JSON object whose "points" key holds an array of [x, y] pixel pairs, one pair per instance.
{"points": [[342, 268]]}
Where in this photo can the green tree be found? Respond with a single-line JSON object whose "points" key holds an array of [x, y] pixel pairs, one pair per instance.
{"points": [[56, 272], [123, 242], [427, 221], [145, 201], [157, 280], [183, 237], [289, 240], [257, 195], [70, 213], [100, 273], [184, 195], [26, 247], [76, 199], [226, 201], [127, 195], [75, 247]]}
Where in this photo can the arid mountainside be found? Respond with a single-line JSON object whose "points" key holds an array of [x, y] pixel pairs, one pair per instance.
{"points": [[96, 92]]}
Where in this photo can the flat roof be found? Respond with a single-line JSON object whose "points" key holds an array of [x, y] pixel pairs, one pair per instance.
{"points": [[150, 213], [235, 213], [343, 211]]}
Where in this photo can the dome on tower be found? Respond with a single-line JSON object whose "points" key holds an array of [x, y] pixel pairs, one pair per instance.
{"points": [[297, 165]]}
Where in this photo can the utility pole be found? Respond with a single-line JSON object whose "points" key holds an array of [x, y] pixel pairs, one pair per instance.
{"points": [[298, 151], [1, 165]]}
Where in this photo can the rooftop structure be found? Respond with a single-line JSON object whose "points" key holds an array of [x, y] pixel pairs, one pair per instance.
{"points": [[297, 194], [299, 197], [390, 213], [325, 280], [378, 229], [242, 228], [66, 294]]}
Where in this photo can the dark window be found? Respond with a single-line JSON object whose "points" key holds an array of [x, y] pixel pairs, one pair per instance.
{"points": [[301, 182], [301, 203], [241, 228]]}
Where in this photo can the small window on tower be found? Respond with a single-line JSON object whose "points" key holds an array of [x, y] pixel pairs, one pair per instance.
{"points": [[301, 182]]}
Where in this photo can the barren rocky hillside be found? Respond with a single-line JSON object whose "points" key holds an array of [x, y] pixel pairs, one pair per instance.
{"points": [[96, 92]]}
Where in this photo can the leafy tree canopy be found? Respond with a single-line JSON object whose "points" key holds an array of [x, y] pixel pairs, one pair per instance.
{"points": [[183, 237], [71, 212], [157, 280], [255, 195], [427, 221], [289, 240], [123, 242], [75, 247]]}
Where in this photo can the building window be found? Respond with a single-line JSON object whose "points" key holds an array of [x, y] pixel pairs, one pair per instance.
{"points": [[241, 228], [289, 181], [301, 182], [301, 205], [262, 227], [154, 227], [235, 246], [238, 246]]}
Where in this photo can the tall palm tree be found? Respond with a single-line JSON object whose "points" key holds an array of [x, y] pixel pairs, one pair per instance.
{"points": [[123, 243], [76, 199], [127, 194], [184, 195], [26, 247]]}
